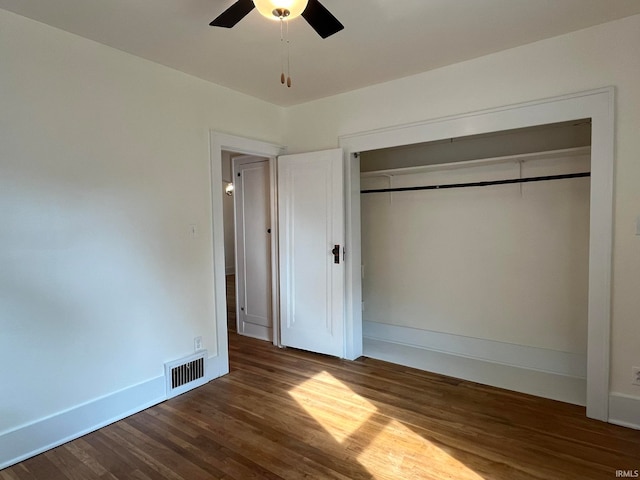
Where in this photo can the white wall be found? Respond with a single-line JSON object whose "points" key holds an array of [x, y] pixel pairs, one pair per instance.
{"points": [[596, 57], [104, 162]]}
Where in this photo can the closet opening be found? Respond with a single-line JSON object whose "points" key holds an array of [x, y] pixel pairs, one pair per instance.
{"points": [[475, 257]]}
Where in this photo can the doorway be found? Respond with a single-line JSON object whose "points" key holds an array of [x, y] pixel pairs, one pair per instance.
{"points": [[222, 142], [247, 244], [253, 265], [309, 189]]}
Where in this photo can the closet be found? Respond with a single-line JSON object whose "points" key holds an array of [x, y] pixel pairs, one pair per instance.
{"points": [[475, 252]]}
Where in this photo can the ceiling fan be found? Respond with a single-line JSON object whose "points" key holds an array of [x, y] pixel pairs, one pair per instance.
{"points": [[316, 15]]}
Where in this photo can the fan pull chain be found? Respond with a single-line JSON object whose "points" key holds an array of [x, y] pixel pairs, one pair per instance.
{"points": [[282, 78], [288, 59], [284, 37]]}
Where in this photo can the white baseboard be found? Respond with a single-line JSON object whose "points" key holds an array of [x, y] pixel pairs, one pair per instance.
{"points": [[256, 331], [476, 360], [217, 367], [42, 435], [34, 438], [624, 410], [522, 356]]}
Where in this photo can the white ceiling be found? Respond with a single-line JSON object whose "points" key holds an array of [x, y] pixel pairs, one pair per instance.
{"points": [[382, 40]]}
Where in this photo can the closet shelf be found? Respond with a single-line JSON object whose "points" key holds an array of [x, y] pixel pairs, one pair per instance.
{"points": [[519, 158]]}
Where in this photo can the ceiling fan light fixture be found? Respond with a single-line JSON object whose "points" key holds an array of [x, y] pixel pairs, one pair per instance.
{"points": [[275, 9]]}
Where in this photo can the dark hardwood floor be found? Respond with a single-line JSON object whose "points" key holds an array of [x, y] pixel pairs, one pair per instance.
{"points": [[293, 415], [231, 302]]}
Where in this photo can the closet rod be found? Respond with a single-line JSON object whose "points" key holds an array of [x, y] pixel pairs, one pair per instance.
{"points": [[480, 184]]}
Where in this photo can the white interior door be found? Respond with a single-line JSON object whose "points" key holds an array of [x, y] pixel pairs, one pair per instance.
{"points": [[253, 247], [311, 229]]}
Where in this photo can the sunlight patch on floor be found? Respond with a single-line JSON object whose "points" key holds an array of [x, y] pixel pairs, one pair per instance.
{"points": [[399, 451], [380, 443], [353, 410]]}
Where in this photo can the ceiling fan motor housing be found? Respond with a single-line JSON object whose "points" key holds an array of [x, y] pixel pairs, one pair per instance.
{"points": [[316, 15], [280, 9]]}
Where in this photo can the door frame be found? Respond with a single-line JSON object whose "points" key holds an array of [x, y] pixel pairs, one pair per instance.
{"points": [[218, 142], [599, 105]]}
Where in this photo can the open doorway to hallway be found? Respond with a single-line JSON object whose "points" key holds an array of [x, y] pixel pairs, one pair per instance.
{"points": [[247, 241]]}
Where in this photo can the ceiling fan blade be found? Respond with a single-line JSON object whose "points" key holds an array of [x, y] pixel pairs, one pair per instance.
{"points": [[233, 14], [321, 19]]}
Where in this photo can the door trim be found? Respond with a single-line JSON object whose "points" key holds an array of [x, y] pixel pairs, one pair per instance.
{"points": [[595, 104], [218, 142]]}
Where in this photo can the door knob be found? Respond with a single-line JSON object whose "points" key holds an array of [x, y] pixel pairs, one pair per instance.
{"points": [[336, 253]]}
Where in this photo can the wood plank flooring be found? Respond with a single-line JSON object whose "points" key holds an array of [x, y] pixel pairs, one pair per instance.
{"points": [[290, 414], [231, 302]]}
